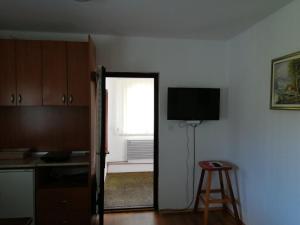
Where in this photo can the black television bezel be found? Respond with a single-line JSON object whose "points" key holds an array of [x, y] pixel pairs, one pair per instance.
{"points": [[193, 119]]}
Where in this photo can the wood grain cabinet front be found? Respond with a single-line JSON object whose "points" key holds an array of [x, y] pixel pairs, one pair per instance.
{"points": [[54, 73], [78, 75], [65, 73], [29, 73], [8, 82], [63, 206], [21, 73], [63, 196], [50, 73]]}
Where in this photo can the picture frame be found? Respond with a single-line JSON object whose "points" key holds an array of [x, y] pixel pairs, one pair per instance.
{"points": [[285, 82]]}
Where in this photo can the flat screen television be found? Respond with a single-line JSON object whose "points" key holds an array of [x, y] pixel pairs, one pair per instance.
{"points": [[193, 104]]}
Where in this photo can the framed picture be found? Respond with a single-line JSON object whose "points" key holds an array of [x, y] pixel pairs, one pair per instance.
{"points": [[285, 82]]}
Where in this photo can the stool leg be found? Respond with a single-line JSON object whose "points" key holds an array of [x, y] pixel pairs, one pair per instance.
{"points": [[199, 190], [207, 195], [233, 202], [222, 186]]}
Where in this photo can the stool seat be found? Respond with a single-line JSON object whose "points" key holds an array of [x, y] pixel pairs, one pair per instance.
{"points": [[209, 165], [218, 167]]}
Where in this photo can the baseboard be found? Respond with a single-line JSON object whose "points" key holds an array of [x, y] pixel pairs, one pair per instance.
{"points": [[127, 162], [130, 167], [166, 211], [142, 209]]}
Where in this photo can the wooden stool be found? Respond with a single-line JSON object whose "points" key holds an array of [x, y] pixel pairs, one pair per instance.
{"points": [[208, 166]]}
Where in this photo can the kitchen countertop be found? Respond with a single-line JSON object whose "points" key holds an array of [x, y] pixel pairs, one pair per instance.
{"points": [[35, 161]]}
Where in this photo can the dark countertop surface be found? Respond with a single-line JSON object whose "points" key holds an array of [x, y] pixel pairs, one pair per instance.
{"points": [[35, 161]]}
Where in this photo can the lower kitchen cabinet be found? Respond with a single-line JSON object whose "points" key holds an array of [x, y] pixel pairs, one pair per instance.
{"points": [[63, 196], [61, 206]]}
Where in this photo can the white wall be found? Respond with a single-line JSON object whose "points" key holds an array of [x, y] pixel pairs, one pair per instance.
{"points": [[190, 63], [180, 63], [265, 143], [116, 143]]}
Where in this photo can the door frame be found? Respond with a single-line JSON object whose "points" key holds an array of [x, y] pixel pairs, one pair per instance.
{"points": [[155, 76]]}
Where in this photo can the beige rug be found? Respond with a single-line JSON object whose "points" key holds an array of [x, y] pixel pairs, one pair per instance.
{"points": [[128, 190]]}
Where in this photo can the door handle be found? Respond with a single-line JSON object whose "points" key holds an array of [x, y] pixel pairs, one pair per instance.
{"points": [[12, 98], [63, 98], [71, 99], [20, 98]]}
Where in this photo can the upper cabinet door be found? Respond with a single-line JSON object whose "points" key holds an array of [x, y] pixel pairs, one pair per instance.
{"points": [[29, 72], [7, 73], [78, 75], [54, 73]]}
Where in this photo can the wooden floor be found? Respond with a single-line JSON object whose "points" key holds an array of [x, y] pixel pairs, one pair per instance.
{"points": [[152, 218]]}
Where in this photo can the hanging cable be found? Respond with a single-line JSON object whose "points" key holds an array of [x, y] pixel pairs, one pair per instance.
{"points": [[187, 163], [194, 164]]}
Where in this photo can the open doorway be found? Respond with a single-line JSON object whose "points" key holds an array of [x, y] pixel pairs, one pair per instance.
{"points": [[130, 130], [131, 165]]}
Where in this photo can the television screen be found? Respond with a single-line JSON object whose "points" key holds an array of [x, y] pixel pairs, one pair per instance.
{"points": [[193, 103]]}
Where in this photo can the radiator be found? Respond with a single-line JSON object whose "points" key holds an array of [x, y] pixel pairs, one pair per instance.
{"points": [[139, 149]]}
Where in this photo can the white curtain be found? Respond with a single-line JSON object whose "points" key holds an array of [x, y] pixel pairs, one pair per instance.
{"points": [[136, 113]]}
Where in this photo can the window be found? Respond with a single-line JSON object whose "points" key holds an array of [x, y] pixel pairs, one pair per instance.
{"points": [[136, 113]]}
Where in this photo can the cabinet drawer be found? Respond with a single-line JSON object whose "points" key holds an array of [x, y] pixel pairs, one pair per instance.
{"points": [[63, 199], [61, 218]]}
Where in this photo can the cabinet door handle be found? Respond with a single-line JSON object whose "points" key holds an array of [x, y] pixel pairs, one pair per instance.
{"points": [[20, 98], [70, 99], [63, 98], [64, 202], [12, 98]]}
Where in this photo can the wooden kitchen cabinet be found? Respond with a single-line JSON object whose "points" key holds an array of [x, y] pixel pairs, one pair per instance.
{"points": [[29, 72], [21, 73], [78, 74], [62, 198], [55, 80], [7, 73], [65, 73], [61, 206], [50, 73]]}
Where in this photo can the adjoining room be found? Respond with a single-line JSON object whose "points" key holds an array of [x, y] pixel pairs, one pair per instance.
{"points": [[130, 130]]}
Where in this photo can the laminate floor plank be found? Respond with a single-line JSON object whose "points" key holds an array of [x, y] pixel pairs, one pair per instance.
{"points": [[153, 218]]}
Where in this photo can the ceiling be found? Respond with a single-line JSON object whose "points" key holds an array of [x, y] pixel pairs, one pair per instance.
{"points": [[197, 19]]}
